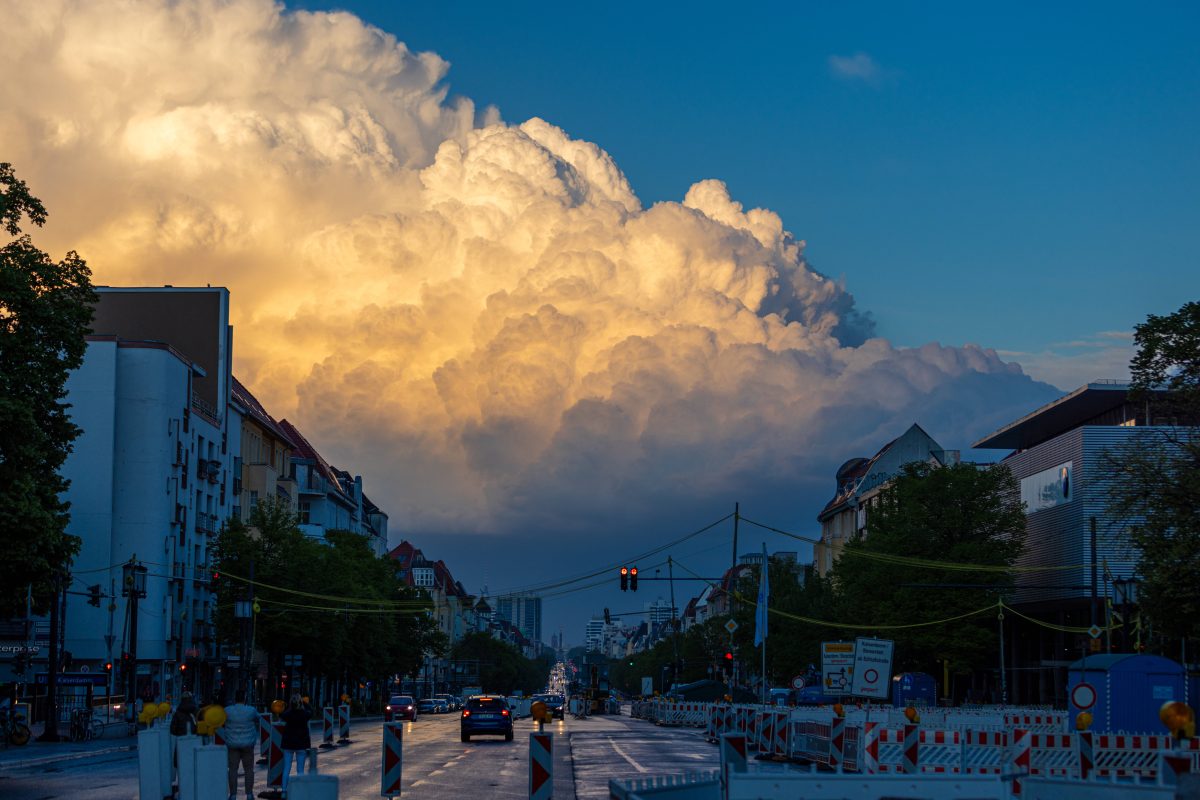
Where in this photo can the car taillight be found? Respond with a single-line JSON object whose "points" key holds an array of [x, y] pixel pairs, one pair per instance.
{"points": [[504, 713], [466, 713]]}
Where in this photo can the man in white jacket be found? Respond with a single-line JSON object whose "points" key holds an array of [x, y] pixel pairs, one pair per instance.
{"points": [[241, 734]]}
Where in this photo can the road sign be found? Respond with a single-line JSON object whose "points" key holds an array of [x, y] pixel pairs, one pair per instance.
{"points": [[837, 665], [1095, 631], [872, 668], [541, 766], [392, 765], [798, 682], [731, 626], [1083, 696], [647, 686], [85, 669]]}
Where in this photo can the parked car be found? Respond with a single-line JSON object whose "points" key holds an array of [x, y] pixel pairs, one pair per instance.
{"points": [[400, 706], [427, 706], [487, 715], [449, 699], [442, 707]]}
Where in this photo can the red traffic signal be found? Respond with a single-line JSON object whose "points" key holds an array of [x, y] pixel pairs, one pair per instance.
{"points": [[728, 656], [108, 666], [624, 578], [183, 667], [633, 579]]}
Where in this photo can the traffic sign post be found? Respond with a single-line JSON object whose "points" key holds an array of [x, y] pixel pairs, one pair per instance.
{"points": [[541, 766], [393, 759], [837, 667], [731, 626], [872, 668], [798, 682], [1083, 696]]}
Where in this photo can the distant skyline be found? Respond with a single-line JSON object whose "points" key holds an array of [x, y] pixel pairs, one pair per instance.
{"points": [[565, 284]]}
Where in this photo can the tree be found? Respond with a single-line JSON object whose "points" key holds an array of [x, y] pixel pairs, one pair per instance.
{"points": [[45, 313], [502, 667], [1155, 484], [960, 514]]}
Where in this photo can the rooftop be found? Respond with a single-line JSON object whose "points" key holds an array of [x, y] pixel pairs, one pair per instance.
{"points": [[1070, 411]]}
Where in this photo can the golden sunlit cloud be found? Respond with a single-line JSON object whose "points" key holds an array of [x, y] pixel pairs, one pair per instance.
{"points": [[480, 317]]}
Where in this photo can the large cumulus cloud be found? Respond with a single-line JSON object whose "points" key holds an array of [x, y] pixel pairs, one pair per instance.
{"points": [[481, 317]]}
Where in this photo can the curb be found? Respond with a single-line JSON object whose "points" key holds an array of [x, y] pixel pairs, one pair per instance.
{"points": [[50, 759]]}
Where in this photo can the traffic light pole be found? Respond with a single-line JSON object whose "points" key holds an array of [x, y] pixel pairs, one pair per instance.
{"points": [[50, 733]]}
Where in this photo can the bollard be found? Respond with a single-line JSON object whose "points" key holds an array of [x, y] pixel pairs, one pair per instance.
{"points": [[264, 737], [837, 740], [541, 766], [209, 764], [1020, 759], [313, 787], [1171, 765], [185, 761], [149, 742], [733, 759], [393, 759], [327, 727], [275, 757], [911, 743], [344, 724], [870, 743]]}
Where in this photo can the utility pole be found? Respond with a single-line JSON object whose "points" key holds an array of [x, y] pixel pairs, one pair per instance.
{"points": [[732, 586], [1095, 577], [133, 586], [674, 619], [50, 733]]}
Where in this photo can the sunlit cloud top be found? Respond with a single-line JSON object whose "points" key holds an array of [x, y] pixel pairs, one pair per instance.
{"points": [[480, 316]]}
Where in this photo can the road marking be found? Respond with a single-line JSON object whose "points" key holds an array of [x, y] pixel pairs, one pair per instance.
{"points": [[450, 763], [625, 756], [437, 772], [415, 783]]}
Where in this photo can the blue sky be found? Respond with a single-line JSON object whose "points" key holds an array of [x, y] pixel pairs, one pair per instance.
{"points": [[1012, 176]]}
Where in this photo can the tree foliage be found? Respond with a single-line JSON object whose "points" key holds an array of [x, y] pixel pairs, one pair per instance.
{"points": [[503, 669], [45, 313], [960, 514], [335, 602], [1155, 485]]}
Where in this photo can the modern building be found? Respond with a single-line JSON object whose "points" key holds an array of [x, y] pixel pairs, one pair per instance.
{"points": [[1075, 548], [152, 482], [858, 484], [523, 611], [659, 611]]}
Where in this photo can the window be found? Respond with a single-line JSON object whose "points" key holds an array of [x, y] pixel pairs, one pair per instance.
{"points": [[305, 512], [423, 576], [253, 500]]}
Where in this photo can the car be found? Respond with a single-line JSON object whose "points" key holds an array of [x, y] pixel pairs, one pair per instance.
{"points": [[400, 706], [486, 714], [427, 706], [443, 705], [554, 703], [448, 699]]}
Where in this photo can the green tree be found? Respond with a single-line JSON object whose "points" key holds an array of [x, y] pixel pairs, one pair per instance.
{"points": [[1155, 476], [961, 514], [45, 313], [503, 669]]}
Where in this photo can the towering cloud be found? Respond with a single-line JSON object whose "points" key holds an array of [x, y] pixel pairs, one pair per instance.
{"points": [[480, 316]]}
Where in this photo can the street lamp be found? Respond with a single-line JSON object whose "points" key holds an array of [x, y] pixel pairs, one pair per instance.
{"points": [[1125, 591]]}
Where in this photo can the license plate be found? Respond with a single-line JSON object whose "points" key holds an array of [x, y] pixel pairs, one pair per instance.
{"points": [[486, 716]]}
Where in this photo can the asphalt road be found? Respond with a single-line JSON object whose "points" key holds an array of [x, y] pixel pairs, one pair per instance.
{"points": [[436, 764]]}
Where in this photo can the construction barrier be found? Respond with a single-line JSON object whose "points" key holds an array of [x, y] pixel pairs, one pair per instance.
{"points": [[393, 759], [344, 724], [327, 727], [541, 766], [275, 757], [154, 754], [313, 787], [185, 765], [264, 737]]}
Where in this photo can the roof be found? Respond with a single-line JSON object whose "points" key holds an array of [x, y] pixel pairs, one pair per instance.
{"points": [[854, 470], [1126, 662], [1064, 414], [304, 449], [246, 399]]}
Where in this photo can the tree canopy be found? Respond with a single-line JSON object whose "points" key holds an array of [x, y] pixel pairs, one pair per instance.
{"points": [[503, 669], [45, 313]]}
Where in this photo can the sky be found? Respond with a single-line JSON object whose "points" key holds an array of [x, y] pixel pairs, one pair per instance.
{"points": [[565, 285]]}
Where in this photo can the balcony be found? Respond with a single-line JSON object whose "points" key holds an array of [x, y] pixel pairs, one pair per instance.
{"points": [[214, 471], [206, 523], [201, 468]]}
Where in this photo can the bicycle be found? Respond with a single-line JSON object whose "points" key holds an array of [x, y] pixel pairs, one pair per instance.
{"points": [[84, 725], [13, 729]]}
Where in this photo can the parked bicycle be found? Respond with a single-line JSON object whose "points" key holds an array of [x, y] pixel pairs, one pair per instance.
{"points": [[13, 729], [84, 725]]}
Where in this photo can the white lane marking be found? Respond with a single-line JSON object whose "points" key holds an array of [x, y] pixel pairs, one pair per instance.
{"points": [[415, 783], [450, 763], [625, 756], [437, 772]]}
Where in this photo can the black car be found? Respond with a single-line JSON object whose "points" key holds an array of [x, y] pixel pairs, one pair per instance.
{"points": [[554, 702], [488, 715]]}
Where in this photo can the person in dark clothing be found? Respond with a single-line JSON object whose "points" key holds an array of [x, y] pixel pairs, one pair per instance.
{"points": [[296, 741], [183, 722]]}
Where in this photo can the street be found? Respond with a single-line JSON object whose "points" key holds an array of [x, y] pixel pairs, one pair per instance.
{"points": [[436, 764]]}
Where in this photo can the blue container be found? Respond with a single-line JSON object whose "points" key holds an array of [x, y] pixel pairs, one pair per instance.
{"points": [[914, 689], [1128, 689]]}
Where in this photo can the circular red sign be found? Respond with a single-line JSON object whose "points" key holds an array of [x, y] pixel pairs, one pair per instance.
{"points": [[870, 676], [1083, 696]]}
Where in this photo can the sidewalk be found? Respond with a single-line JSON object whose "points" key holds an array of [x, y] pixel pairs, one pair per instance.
{"points": [[37, 753]]}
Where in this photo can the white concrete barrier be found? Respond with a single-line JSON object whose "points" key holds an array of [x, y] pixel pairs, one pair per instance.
{"points": [[185, 764], [313, 787], [150, 763], [210, 771]]}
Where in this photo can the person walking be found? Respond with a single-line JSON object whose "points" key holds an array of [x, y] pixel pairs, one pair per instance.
{"points": [[241, 734], [296, 741], [183, 721]]}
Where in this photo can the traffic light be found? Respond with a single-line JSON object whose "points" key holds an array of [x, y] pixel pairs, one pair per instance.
{"points": [[624, 579], [183, 667], [728, 656], [108, 667], [94, 595], [214, 581], [633, 579], [607, 617]]}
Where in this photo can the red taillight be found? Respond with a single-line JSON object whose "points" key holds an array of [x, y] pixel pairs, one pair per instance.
{"points": [[504, 713], [466, 713]]}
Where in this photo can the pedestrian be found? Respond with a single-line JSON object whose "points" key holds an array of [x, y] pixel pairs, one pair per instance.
{"points": [[241, 734], [296, 741], [183, 722]]}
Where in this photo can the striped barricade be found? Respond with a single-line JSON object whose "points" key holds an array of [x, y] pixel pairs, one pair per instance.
{"points": [[1043, 722], [764, 730], [275, 757], [983, 752], [1051, 755], [810, 741], [781, 733], [1131, 755], [941, 751]]}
